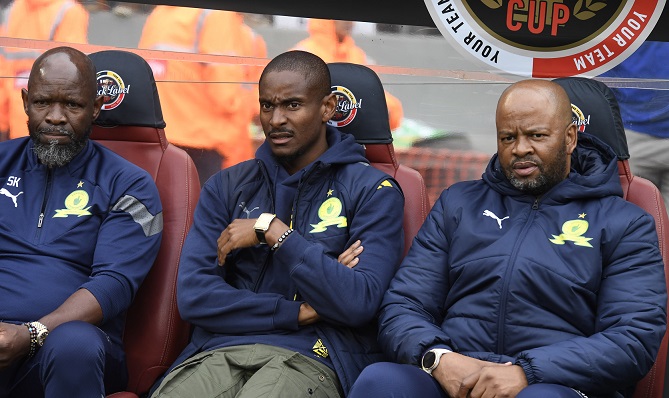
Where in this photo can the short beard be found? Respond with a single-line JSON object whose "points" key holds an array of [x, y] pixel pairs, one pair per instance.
{"points": [[287, 160], [51, 154], [550, 175]]}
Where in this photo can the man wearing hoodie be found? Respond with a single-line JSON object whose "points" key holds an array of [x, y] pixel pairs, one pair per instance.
{"points": [[331, 41], [536, 281], [275, 311]]}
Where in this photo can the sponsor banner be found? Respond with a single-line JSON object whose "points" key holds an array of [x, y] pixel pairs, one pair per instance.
{"points": [[546, 38]]}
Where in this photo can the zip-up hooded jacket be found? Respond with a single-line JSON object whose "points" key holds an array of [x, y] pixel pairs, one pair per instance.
{"points": [[570, 285], [255, 297], [95, 224]]}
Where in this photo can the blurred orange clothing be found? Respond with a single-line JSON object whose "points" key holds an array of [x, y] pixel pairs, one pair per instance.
{"points": [[323, 42], [205, 105], [252, 45], [54, 20]]}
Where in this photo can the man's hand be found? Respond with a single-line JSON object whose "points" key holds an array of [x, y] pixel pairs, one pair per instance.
{"points": [[454, 369], [238, 234], [14, 343], [350, 256], [495, 381], [307, 315]]}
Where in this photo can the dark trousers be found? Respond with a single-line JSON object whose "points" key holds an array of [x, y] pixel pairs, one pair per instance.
{"points": [[392, 380], [77, 360]]}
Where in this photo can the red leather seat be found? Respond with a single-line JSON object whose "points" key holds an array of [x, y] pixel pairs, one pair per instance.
{"points": [[595, 106], [154, 333], [362, 112]]}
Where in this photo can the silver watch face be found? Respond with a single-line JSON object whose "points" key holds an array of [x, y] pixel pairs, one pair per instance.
{"points": [[41, 337]]}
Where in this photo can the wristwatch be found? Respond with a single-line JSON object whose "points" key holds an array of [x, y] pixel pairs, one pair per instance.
{"points": [[262, 225], [42, 333], [431, 359]]}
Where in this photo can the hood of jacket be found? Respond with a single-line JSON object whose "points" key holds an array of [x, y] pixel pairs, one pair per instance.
{"points": [[594, 174]]}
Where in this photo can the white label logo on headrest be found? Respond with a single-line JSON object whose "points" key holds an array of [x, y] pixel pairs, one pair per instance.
{"points": [[111, 86], [578, 117], [347, 107]]}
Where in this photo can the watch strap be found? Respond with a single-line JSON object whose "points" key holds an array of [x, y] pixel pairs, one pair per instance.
{"points": [[437, 352], [262, 225], [42, 332]]}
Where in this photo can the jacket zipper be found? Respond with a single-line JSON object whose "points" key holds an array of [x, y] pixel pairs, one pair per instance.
{"points": [[45, 199], [507, 275], [293, 219], [270, 193]]}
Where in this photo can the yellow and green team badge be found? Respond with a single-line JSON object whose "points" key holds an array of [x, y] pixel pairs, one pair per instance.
{"points": [[330, 214], [320, 349], [75, 205], [573, 231]]}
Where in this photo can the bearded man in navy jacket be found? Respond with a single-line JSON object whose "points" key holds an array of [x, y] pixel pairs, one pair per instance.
{"points": [[538, 280], [80, 228], [276, 312]]}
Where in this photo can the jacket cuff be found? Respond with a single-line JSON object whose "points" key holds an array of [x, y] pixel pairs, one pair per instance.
{"points": [[292, 250], [527, 368], [285, 314], [111, 294]]}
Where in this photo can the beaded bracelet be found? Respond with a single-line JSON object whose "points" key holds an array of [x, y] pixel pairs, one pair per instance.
{"points": [[33, 339], [281, 239]]}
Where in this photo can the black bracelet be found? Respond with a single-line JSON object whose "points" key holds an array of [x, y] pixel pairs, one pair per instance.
{"points": [[33, 339], [281, 239]]}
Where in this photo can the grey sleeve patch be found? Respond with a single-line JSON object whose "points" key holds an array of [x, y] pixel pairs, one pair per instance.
{"points": [[140, 214]]}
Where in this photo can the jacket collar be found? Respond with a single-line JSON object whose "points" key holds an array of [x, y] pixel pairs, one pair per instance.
{"points": [[594, 174]]}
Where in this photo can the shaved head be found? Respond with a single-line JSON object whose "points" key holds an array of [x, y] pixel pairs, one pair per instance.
{"points": [[314, 69], [552, 92], [56, 55]]}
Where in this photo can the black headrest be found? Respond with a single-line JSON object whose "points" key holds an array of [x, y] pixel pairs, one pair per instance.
{"points": [[131, 96], [596, 112], [362, 109]]}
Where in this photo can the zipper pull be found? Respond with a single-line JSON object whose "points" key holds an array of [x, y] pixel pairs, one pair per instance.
{"points": [[41, 218], [535, 206]]}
